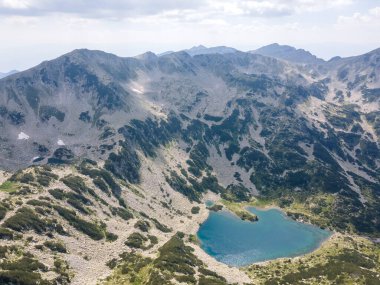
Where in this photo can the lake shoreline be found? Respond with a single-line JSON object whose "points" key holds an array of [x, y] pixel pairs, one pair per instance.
{"points": [[313, 236], [320, 246], [274, 207]]}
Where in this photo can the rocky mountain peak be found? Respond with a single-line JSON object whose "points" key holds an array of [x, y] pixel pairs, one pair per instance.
{"points": [[288, 53]]}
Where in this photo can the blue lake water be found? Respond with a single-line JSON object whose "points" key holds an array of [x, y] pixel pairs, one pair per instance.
{"points": [[238, 243]]}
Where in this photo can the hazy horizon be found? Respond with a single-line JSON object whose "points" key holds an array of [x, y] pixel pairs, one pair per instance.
{"points": [[38, 30]]}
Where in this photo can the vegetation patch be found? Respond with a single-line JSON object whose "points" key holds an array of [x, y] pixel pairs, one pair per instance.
{"points": [[75, 183], [3, 210], [245, 215], [26, 219], [142, 225], [180, 185], [9, 187], [125, 164], [136, 240], [341, 260], [56, 246], [175, 261], [160, 226], [24, 269], [195, 210], [44, 176], [92, 230], [215, 208], [122, 213], [58, 194], [6, 234], [101, 178]]}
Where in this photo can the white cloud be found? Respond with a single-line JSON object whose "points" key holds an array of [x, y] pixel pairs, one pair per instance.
{"points": [[20, 20], [375, 12], [36, 30], [372, 17], [119, 9], [116, 9], [274, 8], [14, 4]]}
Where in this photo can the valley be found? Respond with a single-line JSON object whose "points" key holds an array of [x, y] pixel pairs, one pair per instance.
{"points": [[107, 163]]}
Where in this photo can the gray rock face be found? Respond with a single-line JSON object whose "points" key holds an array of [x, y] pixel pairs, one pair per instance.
{"points": [[288, 53], [80, 100]]}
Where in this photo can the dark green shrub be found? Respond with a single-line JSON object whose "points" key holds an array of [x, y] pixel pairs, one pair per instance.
{"points": [[39, 203], [122, 213], [100, 176], [44, 180], [125, 164], [26, 219], [90, 229], [22, 277], [153, 240], [207, 272], [143, 226], [46, 112], [22, 177], [112, 263], [111, 236], [55, 246], [75, 183], [58, 194], [176, 257], [136, 240], [3, 212], [195, 210], [77, 204], [6, 234], [180, 185], [210, 281], [26, 263], [98, 182], [187, 279], [160, 226]]}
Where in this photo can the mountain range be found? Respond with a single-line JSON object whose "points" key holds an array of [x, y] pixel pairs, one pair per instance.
{"points": [[2, 75], [156, 135]]}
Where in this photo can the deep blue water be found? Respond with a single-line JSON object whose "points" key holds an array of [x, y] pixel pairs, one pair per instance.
{"points": [[238, 243]]}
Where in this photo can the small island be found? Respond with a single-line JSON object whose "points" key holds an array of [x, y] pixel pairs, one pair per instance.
{"points": [[215, 207], [246, 216], [243, 214]]}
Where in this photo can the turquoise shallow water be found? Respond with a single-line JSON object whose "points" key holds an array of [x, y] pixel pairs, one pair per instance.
{"points": [[238, 243]]}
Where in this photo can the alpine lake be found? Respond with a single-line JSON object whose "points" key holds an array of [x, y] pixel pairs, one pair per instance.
{"points": [[235, 242]]}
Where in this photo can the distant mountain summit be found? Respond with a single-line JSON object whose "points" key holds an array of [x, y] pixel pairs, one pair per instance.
{"points": [[2, 75], [198, 50], [288, 53]]}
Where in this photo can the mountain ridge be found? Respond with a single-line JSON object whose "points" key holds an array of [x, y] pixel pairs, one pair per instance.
{"points": [[114, 155], [5, 74], [289, 53]]}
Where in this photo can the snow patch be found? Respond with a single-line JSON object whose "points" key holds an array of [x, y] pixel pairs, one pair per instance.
{"points": [[23, 136], [136, 90], [60, 142]]}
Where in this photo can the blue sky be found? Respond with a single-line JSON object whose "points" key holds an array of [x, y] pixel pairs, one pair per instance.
{"points": [[37, 30]]}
